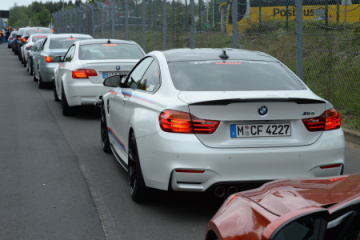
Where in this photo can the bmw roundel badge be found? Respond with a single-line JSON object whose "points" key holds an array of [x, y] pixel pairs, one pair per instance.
{"points": [[263, 110], [118, 68]]}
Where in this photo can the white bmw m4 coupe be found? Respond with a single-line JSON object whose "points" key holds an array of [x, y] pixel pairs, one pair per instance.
{"points": [[211, 119]]}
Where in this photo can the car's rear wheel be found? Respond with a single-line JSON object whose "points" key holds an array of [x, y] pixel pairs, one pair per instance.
{"points": [[138, 190], [105, 142], [56, 98], [41, 84], [66, 109]]}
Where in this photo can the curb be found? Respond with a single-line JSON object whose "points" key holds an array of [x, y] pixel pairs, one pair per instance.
{"points": [[352, 136]]}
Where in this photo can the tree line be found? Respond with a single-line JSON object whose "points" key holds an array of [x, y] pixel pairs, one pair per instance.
{"points": [[37, 13]]}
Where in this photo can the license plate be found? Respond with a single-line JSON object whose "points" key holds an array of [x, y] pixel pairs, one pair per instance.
{"points": [[109, 74], [260, 130]]}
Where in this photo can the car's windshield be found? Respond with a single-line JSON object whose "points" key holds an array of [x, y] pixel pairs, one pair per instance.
{"points": [[234, 75], [65, 42], [110, 51], [344, 223]]}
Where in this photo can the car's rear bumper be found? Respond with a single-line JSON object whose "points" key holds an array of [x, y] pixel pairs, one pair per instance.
{"points": [[162, 154], [83, 92]]}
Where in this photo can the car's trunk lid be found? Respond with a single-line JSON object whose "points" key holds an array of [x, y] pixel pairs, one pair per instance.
{"points": [[242, 123]]}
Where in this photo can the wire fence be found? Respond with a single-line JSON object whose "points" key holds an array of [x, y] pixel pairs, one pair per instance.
{"points": [[318, 39]]}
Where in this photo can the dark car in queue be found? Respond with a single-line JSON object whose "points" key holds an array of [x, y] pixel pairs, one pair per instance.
{"points": [[11, 39], [17, 39]]}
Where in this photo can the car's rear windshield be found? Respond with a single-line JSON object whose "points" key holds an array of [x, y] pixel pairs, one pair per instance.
{"points": [[40, 30], [110, 51], [65, 42], [234, 75]]}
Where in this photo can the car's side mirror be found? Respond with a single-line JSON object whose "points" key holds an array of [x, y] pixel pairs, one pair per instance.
{"points": [[57, 59], [113, 81], [305, 224]]}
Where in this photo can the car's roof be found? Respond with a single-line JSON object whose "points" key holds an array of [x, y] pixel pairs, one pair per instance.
{"points": [[284, 196], [203, 54], [104, 41], [62, 35]]}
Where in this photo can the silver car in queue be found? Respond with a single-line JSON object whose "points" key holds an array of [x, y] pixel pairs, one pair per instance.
{"points": [[53, 45]]}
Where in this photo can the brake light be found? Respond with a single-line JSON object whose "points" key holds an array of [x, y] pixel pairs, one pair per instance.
{"points": [[48, 59], [329, 120], [83, 73], [24, 40], [182, 122], [18, 38]]}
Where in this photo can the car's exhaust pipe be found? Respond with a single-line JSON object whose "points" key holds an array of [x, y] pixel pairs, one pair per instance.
{"points": [[219, 191]]}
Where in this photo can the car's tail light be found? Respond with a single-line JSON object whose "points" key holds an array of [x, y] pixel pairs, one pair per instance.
{"points": [[182, 122], [10, 38], [329, 120], [83, 73], [48, 59], [24, 40], [18, 38]]}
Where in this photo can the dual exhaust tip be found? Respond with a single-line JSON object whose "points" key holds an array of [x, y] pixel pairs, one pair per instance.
{"points": [[222, 191]]}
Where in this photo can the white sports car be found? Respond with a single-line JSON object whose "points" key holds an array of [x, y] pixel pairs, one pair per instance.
{"points": [[80, 75], [210, 119]]}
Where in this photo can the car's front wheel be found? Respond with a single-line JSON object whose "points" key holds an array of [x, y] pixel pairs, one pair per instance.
{"points": [[138, 190], [105, 142]]}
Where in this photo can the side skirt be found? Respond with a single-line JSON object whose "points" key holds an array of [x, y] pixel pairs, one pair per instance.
{"points": [[118, 158]]}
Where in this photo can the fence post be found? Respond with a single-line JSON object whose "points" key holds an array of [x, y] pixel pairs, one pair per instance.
{"points": [[92, 19], [126, 20], [164, 25], [235, 23], [299, 40], [144, 25], [192, 24], [326, 15], [199, 15], [112, 14]]}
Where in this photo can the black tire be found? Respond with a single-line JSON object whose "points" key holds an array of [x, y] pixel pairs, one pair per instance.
{"points": [[41, 84], [24, 62], [137, 187], [105, 142], [66, 109], [56, 98]]}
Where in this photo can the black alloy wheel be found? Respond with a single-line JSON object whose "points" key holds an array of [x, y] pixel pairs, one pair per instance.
{"points": [[138, 190], [105, 141], [66, 109], [41, 84]]}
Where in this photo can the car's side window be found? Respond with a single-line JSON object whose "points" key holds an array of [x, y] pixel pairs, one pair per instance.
{"points": [[151, 79], [70, 54], [43, 44], [134, 80]]}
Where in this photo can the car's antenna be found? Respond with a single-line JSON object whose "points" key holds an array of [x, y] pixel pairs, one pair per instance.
{"points": [[224, 55]]}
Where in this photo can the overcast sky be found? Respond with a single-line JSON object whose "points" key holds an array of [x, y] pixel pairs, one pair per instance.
{"points": [[7, 4]]}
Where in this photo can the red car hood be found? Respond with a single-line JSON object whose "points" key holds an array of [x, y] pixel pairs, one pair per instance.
{"points": [[283, 196]]}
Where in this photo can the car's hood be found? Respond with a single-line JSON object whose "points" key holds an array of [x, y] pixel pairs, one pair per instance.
{"points": [[283, 196]]}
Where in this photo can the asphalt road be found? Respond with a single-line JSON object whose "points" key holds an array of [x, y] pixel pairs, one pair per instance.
{"points": [[57, 183]]}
